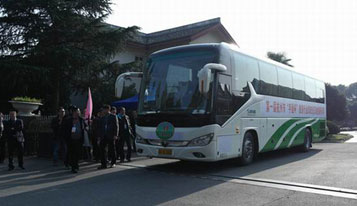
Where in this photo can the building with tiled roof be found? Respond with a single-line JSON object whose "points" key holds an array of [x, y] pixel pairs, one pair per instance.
{"points": [[142, 44]]}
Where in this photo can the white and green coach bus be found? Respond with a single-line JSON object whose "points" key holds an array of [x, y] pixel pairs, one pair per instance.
{"points": [[210, 102]]}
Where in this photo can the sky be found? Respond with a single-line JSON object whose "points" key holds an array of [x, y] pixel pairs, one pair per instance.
{"points": [[320, 36]]}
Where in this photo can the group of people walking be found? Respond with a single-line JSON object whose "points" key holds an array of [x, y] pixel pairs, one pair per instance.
{"points": [[75, 137], [104, 137]]}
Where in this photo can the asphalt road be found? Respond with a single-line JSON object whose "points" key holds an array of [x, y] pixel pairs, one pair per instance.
{"points": [[276, 178]]}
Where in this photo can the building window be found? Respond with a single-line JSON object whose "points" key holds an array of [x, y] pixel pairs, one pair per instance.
{"points": [[138, 58]]}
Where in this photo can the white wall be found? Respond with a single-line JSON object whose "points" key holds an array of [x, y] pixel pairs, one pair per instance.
{"points": [[128, 55]]}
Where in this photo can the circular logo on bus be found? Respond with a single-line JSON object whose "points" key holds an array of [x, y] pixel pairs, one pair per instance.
{"points": [[165, 130]]}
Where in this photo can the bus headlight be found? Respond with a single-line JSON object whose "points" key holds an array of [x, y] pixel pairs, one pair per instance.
{"points": [[140, 140], [202, 140]]}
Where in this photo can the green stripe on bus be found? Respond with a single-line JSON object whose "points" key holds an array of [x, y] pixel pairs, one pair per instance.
{"points": [[299, 139], [276, 136], [319, 130], [285, 142]]}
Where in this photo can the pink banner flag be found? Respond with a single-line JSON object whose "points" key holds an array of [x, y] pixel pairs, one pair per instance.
{"points": [[89, 109]]}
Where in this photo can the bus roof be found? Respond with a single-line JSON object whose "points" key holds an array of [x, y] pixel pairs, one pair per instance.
{"points": [[265, 59], [231, 48]]}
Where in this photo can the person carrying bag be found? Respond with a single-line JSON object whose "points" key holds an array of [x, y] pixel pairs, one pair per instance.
{"points": [[15, 139]]}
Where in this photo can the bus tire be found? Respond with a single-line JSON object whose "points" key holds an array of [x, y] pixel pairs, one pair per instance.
{"points": [[248, 150], [307, 141]]}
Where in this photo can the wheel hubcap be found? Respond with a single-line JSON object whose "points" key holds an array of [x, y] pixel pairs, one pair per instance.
{"points": [[248, 149], [307, 142]]}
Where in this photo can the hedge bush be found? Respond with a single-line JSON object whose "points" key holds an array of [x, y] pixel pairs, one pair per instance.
{"points": [[26, 99], [333, 128]]}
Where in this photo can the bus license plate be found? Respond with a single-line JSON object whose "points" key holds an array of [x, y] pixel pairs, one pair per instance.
{"points": [[165, 151]]}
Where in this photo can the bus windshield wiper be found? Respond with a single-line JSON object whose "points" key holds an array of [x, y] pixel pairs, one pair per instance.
{"points": [[156, 111]]}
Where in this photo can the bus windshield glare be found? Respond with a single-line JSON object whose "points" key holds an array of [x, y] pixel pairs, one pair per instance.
{"points": [[170, 83]]}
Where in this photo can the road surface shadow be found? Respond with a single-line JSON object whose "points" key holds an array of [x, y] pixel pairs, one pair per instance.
{"points": [[263, 161], [116, 187], [37, 166]]}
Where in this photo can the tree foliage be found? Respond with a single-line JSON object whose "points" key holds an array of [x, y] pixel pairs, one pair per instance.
{"points": [[351, 96], [352, 108], [333, 128], [279, 57], [336, 104], [341, 88], [50, 48], [351, 91]]}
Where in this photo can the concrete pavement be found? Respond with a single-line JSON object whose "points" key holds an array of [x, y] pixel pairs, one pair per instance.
{"points": [[354, 134]]}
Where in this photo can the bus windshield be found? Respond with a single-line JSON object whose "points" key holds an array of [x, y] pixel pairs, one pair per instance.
{"points": [[170, 83]]}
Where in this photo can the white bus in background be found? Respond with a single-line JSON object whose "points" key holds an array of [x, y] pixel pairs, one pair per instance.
{"points": [[210, 102]]}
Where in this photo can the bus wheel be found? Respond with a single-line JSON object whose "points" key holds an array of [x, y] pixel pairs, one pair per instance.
{"points": [[247, 150], [307, 141]]}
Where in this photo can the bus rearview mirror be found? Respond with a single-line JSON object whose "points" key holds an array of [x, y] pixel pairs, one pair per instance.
{"points": [[205, 76], [119, 86], [125, 77], [204, 79]]}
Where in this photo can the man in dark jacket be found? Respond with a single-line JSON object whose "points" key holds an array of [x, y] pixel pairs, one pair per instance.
{"points": [[15, 139], [94, 136], [58, 140], [74, 134], [108, 133], [133, 126], [2, 139], [66, 122], [125, 135]]}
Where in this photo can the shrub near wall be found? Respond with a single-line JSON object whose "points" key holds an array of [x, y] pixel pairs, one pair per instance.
{"points": [[332, 127]]}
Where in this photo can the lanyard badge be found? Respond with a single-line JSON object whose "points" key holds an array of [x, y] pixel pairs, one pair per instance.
{"points": [[74, 129]]}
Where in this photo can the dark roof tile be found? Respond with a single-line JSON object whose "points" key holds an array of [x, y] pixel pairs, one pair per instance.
{"points": [[174, 33]]}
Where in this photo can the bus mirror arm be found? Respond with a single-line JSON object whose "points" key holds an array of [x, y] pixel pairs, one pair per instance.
{"points": [[252, 90], [205, 76], [216, 67], [254, 97]]}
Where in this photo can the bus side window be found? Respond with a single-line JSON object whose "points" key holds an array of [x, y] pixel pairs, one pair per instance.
{"points": [[268, 79], [310, 89], [224, 96], [299, 87], [320, 92], [285, 83], [246, 70]]}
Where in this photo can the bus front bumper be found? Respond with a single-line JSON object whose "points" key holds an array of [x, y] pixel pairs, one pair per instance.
{"points": [[197, 153]]}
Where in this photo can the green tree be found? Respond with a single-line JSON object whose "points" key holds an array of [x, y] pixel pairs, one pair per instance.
{"points": [[351, 91], [352, 107], [336, 104], [279, 57], [342, 89], [57, 46]]}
